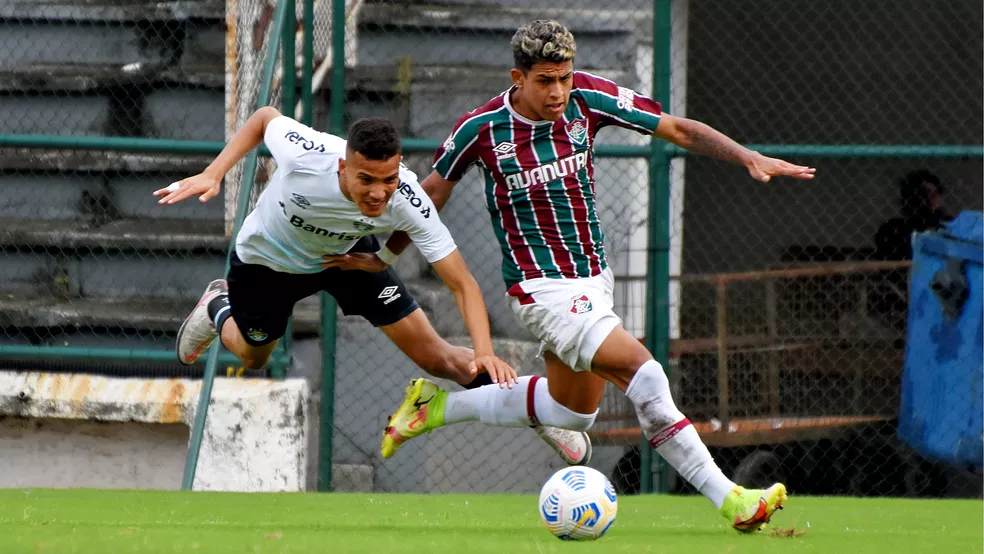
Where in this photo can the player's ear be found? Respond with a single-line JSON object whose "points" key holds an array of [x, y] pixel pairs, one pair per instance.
{"points": [[341, 164], [517, 77]]}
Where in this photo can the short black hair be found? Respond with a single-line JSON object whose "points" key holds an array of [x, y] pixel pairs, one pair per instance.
{"points": [[375, 138]]}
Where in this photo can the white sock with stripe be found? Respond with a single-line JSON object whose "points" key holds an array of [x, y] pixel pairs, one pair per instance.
{"points": [[672, 435], [526, 401]]}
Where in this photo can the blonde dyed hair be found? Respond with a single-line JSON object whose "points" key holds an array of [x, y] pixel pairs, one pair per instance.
{"points": [[543, 40]]}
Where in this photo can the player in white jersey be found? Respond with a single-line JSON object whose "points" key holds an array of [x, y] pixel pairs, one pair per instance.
{"points": [[534, 145], [327, 198]]}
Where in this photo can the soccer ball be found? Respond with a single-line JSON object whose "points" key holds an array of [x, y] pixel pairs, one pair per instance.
{"points": [[578, 504]]}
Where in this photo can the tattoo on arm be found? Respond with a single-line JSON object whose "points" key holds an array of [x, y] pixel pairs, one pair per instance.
{"points": [[704, 140]]}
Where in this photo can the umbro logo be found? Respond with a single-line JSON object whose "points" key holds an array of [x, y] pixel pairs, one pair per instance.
{"points": [[504, 151], [300, 201], [364, 226], [389, 294]]}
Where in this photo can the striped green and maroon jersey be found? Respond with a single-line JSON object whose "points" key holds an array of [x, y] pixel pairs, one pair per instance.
{"points": [[539, 175]]}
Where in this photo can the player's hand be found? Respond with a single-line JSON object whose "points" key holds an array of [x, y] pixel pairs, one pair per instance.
{"points": [[204, 185], [500, 372], [763, 168], [363, 261]]}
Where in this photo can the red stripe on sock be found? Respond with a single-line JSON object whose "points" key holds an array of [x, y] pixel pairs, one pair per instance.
{"points": [[530, 404], [666, 434], [519, 294]]}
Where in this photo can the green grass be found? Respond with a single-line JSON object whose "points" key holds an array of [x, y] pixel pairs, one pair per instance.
{"points": [[64, 521]]}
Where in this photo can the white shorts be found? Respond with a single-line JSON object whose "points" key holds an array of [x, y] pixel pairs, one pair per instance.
{"points": [[571, 317]]}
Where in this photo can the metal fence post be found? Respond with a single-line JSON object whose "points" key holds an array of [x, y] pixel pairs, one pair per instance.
{"points": [[242, 207], [328, 316], [658, 252]]}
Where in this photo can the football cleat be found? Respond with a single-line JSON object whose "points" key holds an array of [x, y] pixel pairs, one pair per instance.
{"points": [[197, 332], [574, 447], [422, 411], [749, 510]]}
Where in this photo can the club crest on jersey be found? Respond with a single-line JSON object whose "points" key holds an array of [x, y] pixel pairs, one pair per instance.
{"points": [[364, 226], [581, 305], [577, 130], [300, 201], [504, 151]]}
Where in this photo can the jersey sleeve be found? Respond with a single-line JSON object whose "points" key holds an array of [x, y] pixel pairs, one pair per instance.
{"points": [[610, 104], [297, 147], [459, 151], [414, 212]]}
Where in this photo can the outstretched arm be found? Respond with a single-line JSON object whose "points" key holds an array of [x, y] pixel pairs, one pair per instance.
{"points": [[702, 139], [208, 182], [468, 296]]}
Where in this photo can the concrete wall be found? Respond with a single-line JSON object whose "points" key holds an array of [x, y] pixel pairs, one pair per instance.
{"points": [[82, 430]]}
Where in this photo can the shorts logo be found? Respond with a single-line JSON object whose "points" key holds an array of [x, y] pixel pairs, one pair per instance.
{"points": [[257, 334], [389, 294], [300, 201], [581, 305], [364, 226], [504, 151], [577, 131]]}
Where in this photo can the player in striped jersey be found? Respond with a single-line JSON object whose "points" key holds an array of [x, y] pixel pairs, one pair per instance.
{"points": [[533, 144]]}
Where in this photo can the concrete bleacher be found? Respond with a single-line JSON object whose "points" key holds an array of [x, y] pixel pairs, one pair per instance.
{"points": [[88, 258]]}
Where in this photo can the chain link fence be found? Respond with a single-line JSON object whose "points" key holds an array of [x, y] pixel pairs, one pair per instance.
{"points": [[787, 320], [788, 312], [89, 262]]}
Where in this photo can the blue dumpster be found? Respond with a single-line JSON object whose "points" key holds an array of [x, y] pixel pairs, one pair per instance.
{"points": [[942, 407]]}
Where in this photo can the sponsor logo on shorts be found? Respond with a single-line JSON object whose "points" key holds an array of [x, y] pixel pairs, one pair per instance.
{"points": [[581, 305], [389, 294], [577, 130], [257, 334]]}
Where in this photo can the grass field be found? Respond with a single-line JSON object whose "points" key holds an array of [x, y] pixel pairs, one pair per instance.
{"points": [[64, 521]]}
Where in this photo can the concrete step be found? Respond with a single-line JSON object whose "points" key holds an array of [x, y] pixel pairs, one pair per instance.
{"points": [[108, 164], [97, 197], [97, 319], [479, 33], [113, 10], [84, 77], [188, 113], [144, 235]]}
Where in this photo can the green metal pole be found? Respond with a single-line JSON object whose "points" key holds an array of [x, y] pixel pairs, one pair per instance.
{"points": [[307, 69], [288, 37], [328, 316], [326, 440], [289, 32], [20, 351], [242, 206], [658, 255], [337, 117], [427, 146]]}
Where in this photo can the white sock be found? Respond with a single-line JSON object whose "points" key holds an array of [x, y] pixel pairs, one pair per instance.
{"points": [[672, 435], [507, 407]]}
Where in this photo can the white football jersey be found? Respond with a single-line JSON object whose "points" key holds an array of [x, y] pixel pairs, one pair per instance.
{"points": [[302, 214]]}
